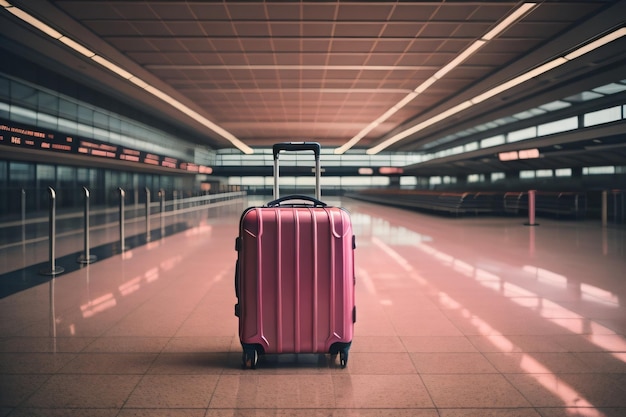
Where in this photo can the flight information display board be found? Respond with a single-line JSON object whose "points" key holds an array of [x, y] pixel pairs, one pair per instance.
{"points": [[47, 141]]}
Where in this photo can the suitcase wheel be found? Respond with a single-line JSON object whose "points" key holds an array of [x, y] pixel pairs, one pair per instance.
{"points": [[343, 358], [342, 349], [250, 357]]}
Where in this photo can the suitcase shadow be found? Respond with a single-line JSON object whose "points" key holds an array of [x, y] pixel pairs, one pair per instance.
{"points": [[217, 362], [298, 361], [295, 361]]}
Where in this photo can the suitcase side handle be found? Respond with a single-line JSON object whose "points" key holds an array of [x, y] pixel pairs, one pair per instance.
{"points": [[315, 201]]}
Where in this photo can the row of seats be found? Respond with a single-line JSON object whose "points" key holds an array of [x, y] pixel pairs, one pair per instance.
{"points": [[565, 204], [569, 204]]}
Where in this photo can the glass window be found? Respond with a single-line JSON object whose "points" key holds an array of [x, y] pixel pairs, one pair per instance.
{"points": [[82, 176], [555, 105], [495, 176], [46, 176], [85, 115], [529, 113], [22, 114], [85, 130], [5, 110], [543, 173], [599, 170], [563, 125], [611, 88], [492, 141], [528, 133], [101, 134], [472, 146], [310, 181], [5, 89], [115, 125], [100, 119], [602, 116], [22, 172], [526, 174], [68, 126], [563, 172], [23, 95], [251, 181], [326, 182], [4, 172], [48, 103], [47, 121], [584, 96], [380, 181], [68, 109], [65, 173]]}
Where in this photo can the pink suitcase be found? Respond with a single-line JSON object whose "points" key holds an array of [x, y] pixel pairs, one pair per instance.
{"points": [[295, 274]]}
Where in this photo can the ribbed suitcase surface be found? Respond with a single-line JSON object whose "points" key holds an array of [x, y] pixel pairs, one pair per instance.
{"points": [[295, 280]]}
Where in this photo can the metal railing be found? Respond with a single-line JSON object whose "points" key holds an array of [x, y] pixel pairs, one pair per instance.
{"points": [[98, 227]]}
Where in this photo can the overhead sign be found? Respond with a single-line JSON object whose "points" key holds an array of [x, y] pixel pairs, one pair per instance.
{"points": [[49, 141]]}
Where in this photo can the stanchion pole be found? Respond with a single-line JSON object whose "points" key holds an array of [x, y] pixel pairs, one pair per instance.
{"points": [[52, 269], [24, 227], [619, 196], [53, 318], [605, 208], [23, 217], [161, 210], [175, 205], [122, 195], [531, 208], [147, 214], [86, 257]]}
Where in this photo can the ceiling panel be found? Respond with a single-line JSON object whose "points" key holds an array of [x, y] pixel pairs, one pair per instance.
{"points": [[325, 70]]}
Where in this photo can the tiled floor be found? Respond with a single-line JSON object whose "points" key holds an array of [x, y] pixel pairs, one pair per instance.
{"points": [[456, 317]]}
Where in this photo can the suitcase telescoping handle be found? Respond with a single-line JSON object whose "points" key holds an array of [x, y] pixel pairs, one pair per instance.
{"points": [[297, 146]]}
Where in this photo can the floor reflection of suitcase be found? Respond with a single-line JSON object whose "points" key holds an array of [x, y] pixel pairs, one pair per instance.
{"points": [[295, 274]]}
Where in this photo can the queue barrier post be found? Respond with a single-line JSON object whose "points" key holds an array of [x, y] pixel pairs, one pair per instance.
{"points": [[605, 208], [23, 207], [52, 269], [86, 257], [122, 238], [162, 210], [531, 208], [147, 214]]}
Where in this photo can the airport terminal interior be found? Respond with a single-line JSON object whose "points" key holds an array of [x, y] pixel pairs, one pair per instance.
{"points": [[478, 149]]}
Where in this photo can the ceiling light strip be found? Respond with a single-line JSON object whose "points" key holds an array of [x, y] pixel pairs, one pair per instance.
{"points": [[459, 59], [343, 148], [519, 80], [77, 47], [31, 20], [112, 67], [38, 24], [535, 72], [469, 51], [596, 44], [420, 126], [509, 20]]}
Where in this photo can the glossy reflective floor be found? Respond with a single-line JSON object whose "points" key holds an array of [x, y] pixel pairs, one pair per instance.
{"points": [[456, 317]]}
